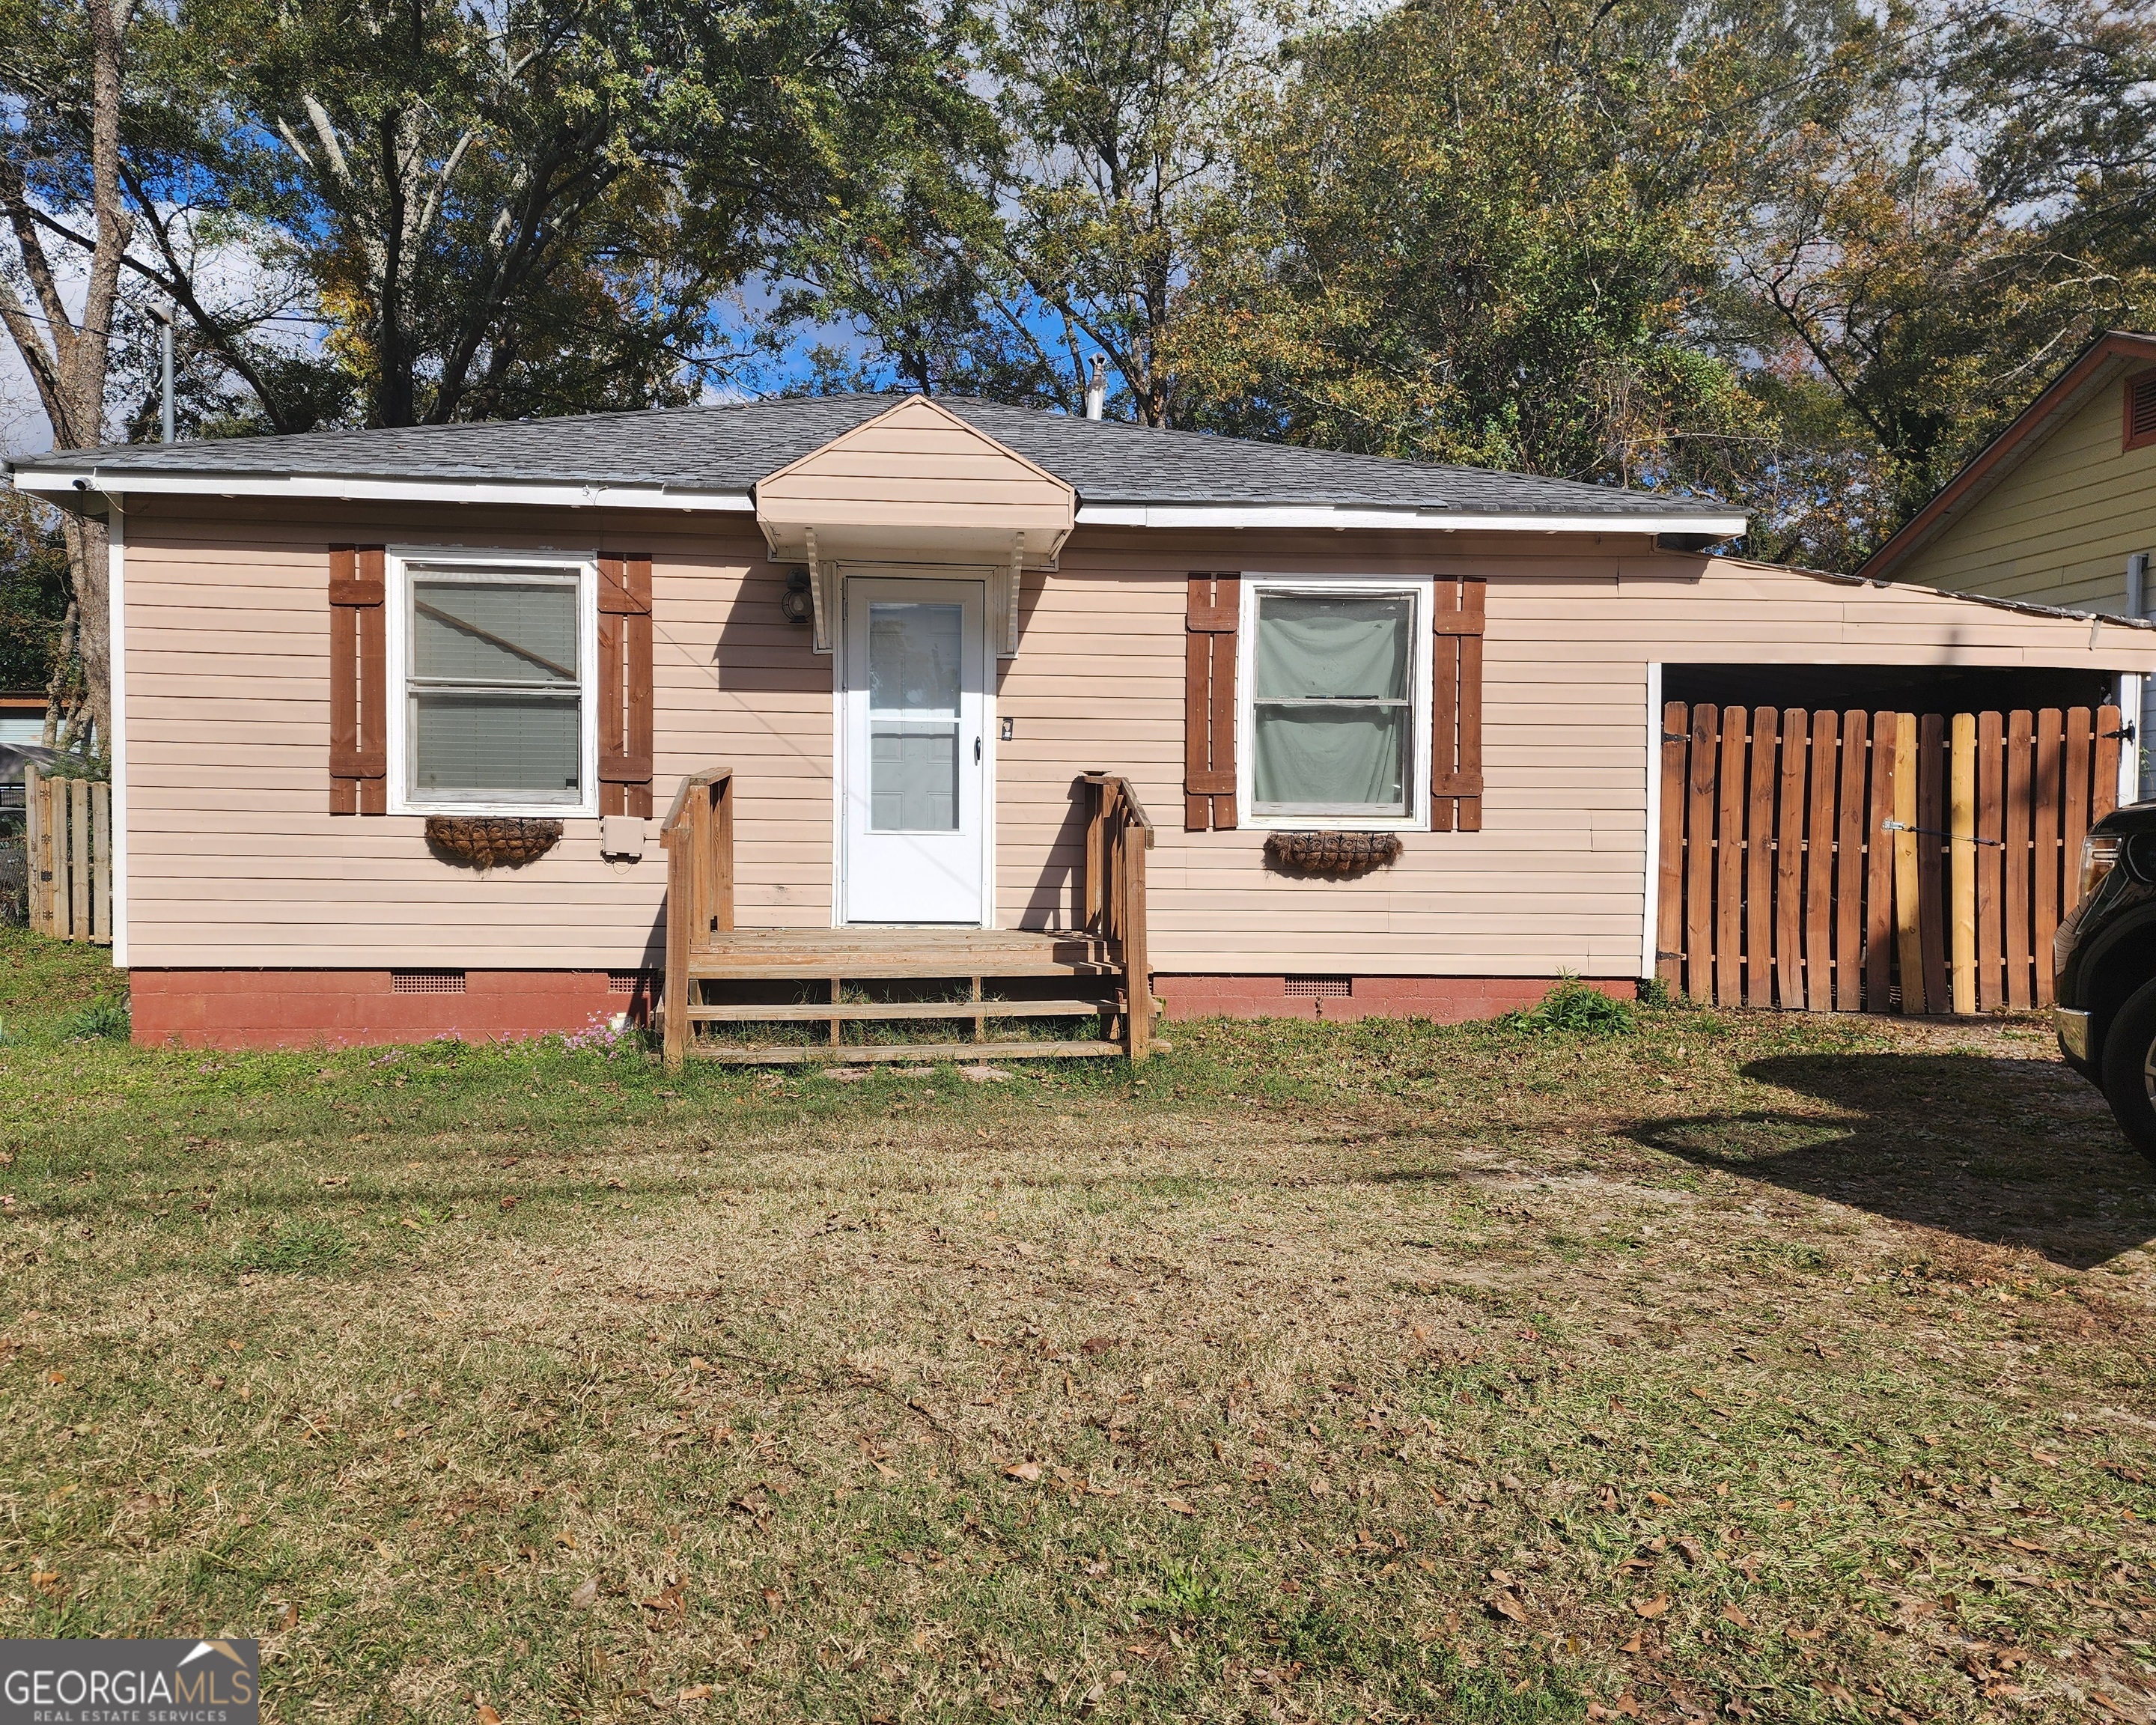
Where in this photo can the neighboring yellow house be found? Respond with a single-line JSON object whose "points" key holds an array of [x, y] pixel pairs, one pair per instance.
{"points": [[2059, 509]]}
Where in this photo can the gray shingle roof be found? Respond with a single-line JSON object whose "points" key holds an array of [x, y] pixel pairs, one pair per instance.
{"points": [[729, 448]]}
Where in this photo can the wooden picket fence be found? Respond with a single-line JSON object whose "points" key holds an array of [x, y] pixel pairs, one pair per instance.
{"points": [[69, 837], [1874, 862]]}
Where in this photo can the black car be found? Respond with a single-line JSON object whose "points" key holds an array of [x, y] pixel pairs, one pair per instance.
{"points": [[2105, 958]]}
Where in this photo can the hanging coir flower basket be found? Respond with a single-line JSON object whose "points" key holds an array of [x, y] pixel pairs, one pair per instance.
{"points": [[490, 841], [1338, 856]]}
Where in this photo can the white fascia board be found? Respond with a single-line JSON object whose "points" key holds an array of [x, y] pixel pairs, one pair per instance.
{"points": [[1437, 520], [59, 482]]}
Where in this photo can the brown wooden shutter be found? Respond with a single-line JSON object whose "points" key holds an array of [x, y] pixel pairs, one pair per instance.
{"points": [[1209, 702], [359, 691], [625, 693], [1455, 767]]}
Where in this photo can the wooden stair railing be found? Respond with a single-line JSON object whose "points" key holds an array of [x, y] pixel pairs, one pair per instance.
{"points": [[1117, 836], [699, 841]]}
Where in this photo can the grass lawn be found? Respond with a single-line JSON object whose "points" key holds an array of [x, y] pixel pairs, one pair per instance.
{"points": [[1752, 1367]]}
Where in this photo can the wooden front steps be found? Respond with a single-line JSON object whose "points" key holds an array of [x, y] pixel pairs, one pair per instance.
{"points": [[810, 985], [862, 977]]}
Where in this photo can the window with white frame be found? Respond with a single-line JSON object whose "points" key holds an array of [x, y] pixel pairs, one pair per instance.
{"points": [[496, 665], [1336, 719]]}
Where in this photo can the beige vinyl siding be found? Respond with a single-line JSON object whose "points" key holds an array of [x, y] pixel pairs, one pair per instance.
{"points": [[1556, 878], [2058, 530], [233, 859], [918, 466]]}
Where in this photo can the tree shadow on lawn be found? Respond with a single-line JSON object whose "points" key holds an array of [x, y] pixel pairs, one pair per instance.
{"points": [[2018, 1153]]}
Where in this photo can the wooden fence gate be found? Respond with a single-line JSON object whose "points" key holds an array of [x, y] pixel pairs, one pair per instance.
{"points": [[1874, 862], [69, 835]]}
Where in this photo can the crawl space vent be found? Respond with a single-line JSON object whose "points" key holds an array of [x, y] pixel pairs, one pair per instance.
{"points": [[426, 982], [1322, 987]]}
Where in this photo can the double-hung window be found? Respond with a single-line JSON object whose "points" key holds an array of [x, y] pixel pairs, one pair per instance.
{"points": [[1338, 708], [496, 665]]}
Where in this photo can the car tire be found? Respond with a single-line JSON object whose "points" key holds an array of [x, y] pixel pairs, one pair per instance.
{"points": [[2129, 1069]]}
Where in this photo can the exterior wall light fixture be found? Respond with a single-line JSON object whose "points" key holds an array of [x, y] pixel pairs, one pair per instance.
{"points": [[794, 605]]}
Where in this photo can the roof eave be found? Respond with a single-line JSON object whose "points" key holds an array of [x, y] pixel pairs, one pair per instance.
{"points": [[1413, 517], [57, 481]]}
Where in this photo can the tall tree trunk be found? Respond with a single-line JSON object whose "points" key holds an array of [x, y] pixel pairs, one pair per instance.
{"points": [[88, 546], [68, 358]]}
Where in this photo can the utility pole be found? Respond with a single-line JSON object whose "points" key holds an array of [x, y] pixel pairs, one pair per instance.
{"points": [[165, 343]]}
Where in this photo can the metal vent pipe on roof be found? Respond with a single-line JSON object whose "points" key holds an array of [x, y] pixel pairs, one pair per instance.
{"points": [[165, 344], [1096, 392]]}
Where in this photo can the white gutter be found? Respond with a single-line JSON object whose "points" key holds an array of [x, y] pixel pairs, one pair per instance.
{"points": [[59, 481], [1439, 521]]}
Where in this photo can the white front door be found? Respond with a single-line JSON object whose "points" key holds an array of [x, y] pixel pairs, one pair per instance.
{"points": [[914, 778]]}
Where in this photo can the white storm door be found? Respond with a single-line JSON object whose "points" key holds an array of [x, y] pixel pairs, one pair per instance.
{"points": [[915, 771]]}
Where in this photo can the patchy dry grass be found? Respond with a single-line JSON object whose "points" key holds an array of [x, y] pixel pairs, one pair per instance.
{"points": [[1765, 1368]]}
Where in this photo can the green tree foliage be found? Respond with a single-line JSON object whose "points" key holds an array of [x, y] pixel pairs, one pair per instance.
{"points": [[1803, 255], [1911, 272], [535, 207], [33, 594], [1493, 234], [522, 207], [1071, 224]]}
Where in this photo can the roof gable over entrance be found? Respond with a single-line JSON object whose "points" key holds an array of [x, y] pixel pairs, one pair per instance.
{"points": [[917, 476]]}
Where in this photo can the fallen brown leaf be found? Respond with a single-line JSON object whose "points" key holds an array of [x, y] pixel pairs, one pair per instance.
{"points": [[1652, 1608]]}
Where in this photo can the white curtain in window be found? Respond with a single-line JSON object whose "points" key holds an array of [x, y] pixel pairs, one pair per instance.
{"points": [[1331, 702]]}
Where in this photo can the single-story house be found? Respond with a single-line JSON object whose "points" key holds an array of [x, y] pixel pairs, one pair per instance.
{"points": [[897, 688]]}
